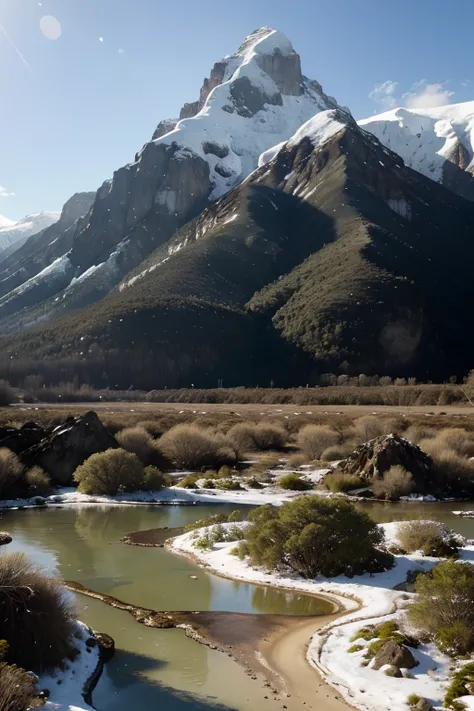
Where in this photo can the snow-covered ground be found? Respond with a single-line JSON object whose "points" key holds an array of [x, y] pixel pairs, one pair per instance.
{"points": [[368, 599], [173, 495], [66, 686]]}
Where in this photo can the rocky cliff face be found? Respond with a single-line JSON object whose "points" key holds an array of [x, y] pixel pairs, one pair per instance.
{"points": [[38, 254], [252, 100]]}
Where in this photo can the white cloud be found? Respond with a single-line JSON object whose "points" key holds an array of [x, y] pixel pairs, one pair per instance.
{"points": [[424, 96], [121, 51], [465, 83], [4, 192], [384, 94]]}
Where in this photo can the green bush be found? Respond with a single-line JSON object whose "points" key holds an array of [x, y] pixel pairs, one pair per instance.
{"points": [[243, 550], [314, 535], [218, 534], [206, 521], [435, 606], [338, 483], [154, 480], [427, 537], [314, 439], [355, 648], [203, 544], [235, 516], [374, 648], [38, 482], [189, 482], [190, 447], [456, 639], [396, 482], [366, 633], [413, 699], [209, 484], [294, 482], [36, 619], [461, 685], [228, 485], [111, 472]]}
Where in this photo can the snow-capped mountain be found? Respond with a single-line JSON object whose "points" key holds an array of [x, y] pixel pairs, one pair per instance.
{"points": [[253, 99], [331, 251], [5, 222], [15, 234], [438, 142]]}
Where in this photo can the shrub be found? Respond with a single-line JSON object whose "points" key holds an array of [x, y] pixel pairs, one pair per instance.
{"points": [[458, 440], [294, 482], [17, 688], [313, 535], [314, 439], [368, 427], [189, 482], [413, 699], [190, 447], [454, 474], [456, 639], [342, 482], [137, 440], [297, 460], [268, 436], [242, 550], [396, 482], [111, 472], [462, 683], [228, 485], [416, 433], [206, 521], [235, 516], [38, 482], [11, 474], [366, 633], [203, 544], [337, 452], [242, 436], [355, 648], [436, 605], [209, 484], [36, 619], [154, 480], [426, 536], [254, 483]]}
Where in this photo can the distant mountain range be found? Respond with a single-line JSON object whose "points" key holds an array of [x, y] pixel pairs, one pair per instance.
{"points": [[264, 235]]}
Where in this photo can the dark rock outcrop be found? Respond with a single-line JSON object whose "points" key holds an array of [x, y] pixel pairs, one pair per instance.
{"points": [[372, 459], [69, 445], [106, 646], [29, 435], [396, 655]]}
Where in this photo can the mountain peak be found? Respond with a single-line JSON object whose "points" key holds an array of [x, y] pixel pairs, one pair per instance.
{"points": [[265, 40]]}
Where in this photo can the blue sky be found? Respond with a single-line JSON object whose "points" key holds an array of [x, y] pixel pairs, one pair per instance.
{"points": [[76, 108]]}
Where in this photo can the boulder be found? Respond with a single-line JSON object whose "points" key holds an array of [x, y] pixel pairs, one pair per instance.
{"points": [[394, 654], [372, 459], [69, 445], [5, 538], [422, 705], [106, 646]]}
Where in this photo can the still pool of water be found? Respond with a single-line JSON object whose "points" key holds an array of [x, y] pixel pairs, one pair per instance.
{"points": [[152, 668]]}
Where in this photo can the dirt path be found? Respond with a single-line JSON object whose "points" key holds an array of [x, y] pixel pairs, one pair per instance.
{"points": [[285, 653]]}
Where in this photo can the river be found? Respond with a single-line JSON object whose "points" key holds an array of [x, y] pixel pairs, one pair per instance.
{"points": [[162, 668], [152, 668]]}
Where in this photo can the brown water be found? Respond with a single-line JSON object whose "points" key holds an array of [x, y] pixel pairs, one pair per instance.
{"points": [[152, 668]]}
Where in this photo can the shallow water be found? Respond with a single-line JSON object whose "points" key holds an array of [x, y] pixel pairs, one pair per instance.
{"points": [[152, 668]]}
